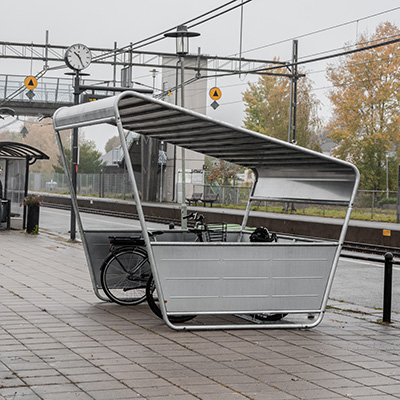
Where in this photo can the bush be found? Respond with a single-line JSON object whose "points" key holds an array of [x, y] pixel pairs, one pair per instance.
{"points": [[387, 200]]}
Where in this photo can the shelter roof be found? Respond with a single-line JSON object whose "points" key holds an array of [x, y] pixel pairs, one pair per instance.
{"points": [[20, 150], [154, 118], [267, 156]]}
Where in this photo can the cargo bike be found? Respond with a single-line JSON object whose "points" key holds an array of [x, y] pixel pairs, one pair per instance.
{"points": [[230, 280]]}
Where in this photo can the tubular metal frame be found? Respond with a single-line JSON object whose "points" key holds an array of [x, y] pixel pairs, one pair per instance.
{"points": [[332, 178]]}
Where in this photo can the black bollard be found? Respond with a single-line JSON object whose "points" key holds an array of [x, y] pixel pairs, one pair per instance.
{"points": [[387, 288]]}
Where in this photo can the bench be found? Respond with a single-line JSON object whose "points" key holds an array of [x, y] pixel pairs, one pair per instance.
{"points": [[209, 198], [194, 199]]}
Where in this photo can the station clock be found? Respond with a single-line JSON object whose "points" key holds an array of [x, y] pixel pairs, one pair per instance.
{"points": [[78, 57]]}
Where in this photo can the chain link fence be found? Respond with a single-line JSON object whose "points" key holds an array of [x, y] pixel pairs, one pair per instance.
{"points": [[369, 204]]}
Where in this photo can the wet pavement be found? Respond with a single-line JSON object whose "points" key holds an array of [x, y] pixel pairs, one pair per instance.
{"points": [[59, 341]]}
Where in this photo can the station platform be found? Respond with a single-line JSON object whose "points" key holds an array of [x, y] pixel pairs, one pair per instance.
{"points": [[59, 341], [369, 232]]}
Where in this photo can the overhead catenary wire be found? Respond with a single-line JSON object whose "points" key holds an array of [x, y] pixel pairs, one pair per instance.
{"points": [[343, 53], [141, 43], [218, 9], [378, 40], [322, 30], [160, 36], [328, 56]]}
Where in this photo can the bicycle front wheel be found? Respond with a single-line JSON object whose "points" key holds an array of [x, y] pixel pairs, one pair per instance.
{"points": [[124, 275]]}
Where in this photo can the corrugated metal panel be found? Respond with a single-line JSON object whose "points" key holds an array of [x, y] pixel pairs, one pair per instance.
{"points": [[269, 157]]}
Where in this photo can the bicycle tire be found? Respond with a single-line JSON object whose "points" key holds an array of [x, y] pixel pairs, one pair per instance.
{"points": [[270, 317], [124, 275], [152, 301]]}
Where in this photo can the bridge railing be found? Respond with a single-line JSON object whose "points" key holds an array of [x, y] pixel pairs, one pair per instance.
{"points": [[48, 90], [51, 90]]}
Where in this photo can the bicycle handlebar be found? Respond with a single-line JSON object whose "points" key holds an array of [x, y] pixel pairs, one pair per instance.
{"points": [[155, 233], [194, 216]]}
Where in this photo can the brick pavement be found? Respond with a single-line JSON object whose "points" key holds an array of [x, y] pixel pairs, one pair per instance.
{"points": [[58, 341]]}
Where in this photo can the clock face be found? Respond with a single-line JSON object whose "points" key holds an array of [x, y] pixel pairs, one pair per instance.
{"points": [[78, 57]]}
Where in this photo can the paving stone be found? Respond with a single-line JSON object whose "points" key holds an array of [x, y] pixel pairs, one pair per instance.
{"points": [[119, 394], [55, 389], [389, 389], [59, 341]]}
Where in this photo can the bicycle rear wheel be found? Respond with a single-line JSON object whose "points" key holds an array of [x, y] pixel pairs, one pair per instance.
{"points": [[124, 275], [152, 300]]}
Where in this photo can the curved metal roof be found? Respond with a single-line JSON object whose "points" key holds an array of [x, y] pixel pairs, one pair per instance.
{"points": [[19, 150], [293, 171]]}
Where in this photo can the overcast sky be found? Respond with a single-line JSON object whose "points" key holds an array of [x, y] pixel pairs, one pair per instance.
{"points": [[101, 23]]}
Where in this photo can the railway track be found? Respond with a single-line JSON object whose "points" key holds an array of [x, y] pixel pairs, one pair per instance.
{"points": [[116, 214], [371, 249], [353, 247]]}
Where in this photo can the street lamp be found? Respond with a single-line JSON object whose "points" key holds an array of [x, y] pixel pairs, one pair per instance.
{"points": [[387, 176], [388, 154], [154, 73], [182, 36]]}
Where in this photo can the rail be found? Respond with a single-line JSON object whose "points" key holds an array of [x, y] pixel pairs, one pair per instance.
{"points": [[371, 248]]}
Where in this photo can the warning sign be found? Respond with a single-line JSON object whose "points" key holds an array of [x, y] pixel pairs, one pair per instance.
{"points": [[30, 82], [215, 93]]}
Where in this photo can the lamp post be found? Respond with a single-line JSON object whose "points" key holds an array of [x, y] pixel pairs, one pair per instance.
{"points": [[387, 176], [388, 154], [154, 73], [182, 36]]}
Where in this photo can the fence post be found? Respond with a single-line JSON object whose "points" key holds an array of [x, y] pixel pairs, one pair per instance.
{"points": [[387, 288], [372, 206]]}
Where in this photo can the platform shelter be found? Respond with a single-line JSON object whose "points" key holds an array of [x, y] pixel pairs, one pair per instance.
{"points": [[15, 159]]}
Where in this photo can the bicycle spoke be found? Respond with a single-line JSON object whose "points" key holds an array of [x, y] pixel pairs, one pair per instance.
{"points": [[124, 276]]}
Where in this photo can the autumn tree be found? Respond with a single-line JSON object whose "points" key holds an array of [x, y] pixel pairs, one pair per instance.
{"points": [[220, 171], [267, 110], [366, 115], [39, 135]]}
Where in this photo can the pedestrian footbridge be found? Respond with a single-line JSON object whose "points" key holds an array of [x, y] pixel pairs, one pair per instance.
{"points": [[50, 94]]}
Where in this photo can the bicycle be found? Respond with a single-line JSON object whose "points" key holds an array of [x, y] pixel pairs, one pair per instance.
{"points": [[151, 289], [126, 270], [211, 232], [215, 232]]}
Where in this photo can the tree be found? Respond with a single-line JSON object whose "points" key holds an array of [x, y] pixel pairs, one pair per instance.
{"points": [[220, 171], [112, 143], [89, 158], [267, 110], [38, 135], [366, 99]]}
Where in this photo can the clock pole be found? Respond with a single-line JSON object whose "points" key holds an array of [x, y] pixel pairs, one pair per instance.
{"points": [[74, 157], [77, 57]]}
